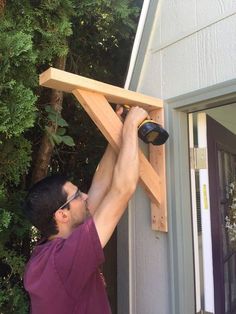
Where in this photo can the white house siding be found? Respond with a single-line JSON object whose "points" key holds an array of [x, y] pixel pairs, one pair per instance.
{"points": [[149, 267], [192, 46]]}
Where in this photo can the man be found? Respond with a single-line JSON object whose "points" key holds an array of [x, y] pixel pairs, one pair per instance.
{"points": [[62, 276]]}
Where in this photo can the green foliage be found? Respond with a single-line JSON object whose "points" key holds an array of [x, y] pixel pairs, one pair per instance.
{"points": [[34, 35], [17, 110], [101, 43], [13, 230], [12, 296], [18, 60], [5, 218], [17, 56], [14, 159], [13, 299], [57, 133], [52, 26], [13, 260], [17, 101], [55, 117]]}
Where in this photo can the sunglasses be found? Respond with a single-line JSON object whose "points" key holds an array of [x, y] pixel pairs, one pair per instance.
{"points": [[77, 194]]}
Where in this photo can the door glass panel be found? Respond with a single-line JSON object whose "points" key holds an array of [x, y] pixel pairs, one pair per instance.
{"points": [[227, 295], [232, 265], [228, 236], [223, 198], [223, 238]]}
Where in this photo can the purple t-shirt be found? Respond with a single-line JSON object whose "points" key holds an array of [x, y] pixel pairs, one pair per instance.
{"points": [[62, 275]]}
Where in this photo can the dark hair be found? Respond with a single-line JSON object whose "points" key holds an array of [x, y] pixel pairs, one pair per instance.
{"points": [[43, 199]]}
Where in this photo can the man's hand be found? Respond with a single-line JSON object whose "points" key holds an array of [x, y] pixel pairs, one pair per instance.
{"points": [[120, 112], [136, 115]]}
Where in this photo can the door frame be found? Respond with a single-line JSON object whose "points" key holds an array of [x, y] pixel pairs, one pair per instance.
{"points": [[178, 180]]}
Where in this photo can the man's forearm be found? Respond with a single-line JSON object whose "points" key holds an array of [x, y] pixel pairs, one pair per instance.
{"points": [[124, 180], [101, 179], [126, 171]]}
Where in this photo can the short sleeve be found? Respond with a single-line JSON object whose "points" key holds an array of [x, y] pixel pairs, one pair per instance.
{"points": [[79, 256]]}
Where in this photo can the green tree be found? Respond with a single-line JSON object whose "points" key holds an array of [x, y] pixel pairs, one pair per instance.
{"points": [[43, 131]]}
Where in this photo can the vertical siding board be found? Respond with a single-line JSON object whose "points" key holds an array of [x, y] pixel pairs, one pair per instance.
{"points": [[151, 261], [217, 52], [192, 45], [205, 57], [151, 83], [212, 10], [177, 17], [180, 68]]}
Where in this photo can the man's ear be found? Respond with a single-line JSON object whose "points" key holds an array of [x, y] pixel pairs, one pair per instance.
{"points": [[62, 215]]}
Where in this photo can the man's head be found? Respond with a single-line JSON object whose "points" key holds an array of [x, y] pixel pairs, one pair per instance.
{"points": [[54, 204]]}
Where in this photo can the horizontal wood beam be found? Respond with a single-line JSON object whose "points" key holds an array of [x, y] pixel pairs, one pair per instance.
{"points": [[67, 82], [110, 125]]}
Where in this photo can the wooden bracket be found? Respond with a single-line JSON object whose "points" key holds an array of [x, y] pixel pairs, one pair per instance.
{"points": [[94, 96], [157, 160]]}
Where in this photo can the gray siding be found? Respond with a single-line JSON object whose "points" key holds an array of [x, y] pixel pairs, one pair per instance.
{"points": [[192, 46], [187, 46]]}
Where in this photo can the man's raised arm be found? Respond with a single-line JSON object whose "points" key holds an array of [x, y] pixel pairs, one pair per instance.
{"points": [[124, 180], [101, 179]]}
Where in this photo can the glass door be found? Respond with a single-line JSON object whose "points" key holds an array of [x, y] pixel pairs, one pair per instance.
{"points": [[212, 138]]}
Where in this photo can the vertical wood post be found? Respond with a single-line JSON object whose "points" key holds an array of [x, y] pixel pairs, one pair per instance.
{"points": [[157, 160]]}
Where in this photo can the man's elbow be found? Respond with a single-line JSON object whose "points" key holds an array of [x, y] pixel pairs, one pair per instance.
{"points": [[124, 188]]}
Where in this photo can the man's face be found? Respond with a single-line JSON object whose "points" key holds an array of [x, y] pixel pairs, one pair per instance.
{"points": [[77, 208]]}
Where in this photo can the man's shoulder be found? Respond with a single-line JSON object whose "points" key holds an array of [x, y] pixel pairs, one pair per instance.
{"points": [[46, 250]]}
